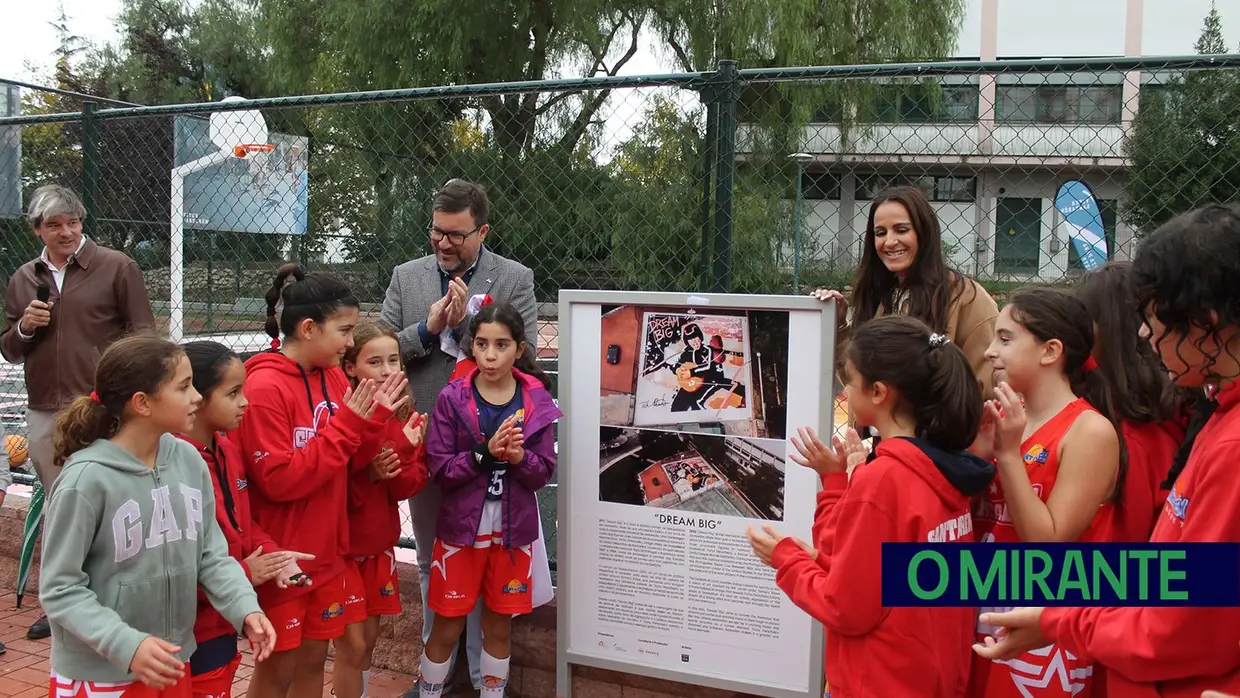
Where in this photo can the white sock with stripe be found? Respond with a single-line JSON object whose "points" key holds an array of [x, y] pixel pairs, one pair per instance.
{"points": [[430, 685], [365, 682], [494, 675]]}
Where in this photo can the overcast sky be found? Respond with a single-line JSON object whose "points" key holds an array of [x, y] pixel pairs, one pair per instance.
{"points": [[1170, 28]]}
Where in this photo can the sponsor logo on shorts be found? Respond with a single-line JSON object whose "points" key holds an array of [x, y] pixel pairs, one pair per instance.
{"points": [[515, 587], [293, 623], [387, 590], [453, 595], [352, 600], [332, 611]]}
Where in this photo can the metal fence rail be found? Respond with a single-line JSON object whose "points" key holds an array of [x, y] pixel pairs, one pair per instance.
{"points": [[753, 180]]}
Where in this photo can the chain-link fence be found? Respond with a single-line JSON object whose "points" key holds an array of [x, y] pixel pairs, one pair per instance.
{"points": [[733, 180]]}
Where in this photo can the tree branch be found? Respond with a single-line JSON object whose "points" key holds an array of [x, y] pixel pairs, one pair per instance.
{"points": [[573, 135], [670, 37]]}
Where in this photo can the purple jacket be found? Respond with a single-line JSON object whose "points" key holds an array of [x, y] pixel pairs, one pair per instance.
{"points": [[453, 433]]}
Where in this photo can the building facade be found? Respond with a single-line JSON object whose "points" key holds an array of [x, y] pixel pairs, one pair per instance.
{"points": [[990, 151]]}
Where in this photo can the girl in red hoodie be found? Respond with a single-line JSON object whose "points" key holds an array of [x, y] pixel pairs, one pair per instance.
{"points": [[219, 377], [919, 391], [1150, 407], [1183, 280], [396, 472], [298, 437], [1058, 456]]}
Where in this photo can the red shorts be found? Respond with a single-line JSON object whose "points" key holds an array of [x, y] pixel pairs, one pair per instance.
{"points": [[318, 615], [459, 574], [60, 687], [372, 580], [218, 682]]}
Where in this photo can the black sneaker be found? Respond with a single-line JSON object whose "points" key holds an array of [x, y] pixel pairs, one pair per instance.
{"points": [[41, 629], [2, 648]]}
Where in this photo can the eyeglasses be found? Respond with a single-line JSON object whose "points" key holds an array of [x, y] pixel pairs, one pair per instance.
{"points": [[454, 238]]}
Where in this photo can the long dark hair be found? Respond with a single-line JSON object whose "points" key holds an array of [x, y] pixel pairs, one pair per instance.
{"points": [[1184, 274], [506, 315], [931, 285], [933, 376], [1052, 313], [140, 363], [314, 296], [1142, 392], [208, 361]]}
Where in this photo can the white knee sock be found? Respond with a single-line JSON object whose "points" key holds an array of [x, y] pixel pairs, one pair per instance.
{"points": [[494, 675], [365, 682], [430, 685]]}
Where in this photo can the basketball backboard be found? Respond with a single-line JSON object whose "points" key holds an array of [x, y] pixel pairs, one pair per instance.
{"points": [[239, 132]]}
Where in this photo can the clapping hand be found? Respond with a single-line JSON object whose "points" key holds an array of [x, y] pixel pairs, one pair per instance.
{"points": [[516, 445], [385, 466], [498, 446], [817, 456], [415, 429], [764, 542], [391, 393], [360, 400], [855, 452], [459, 304], [1008, 414], [265, 566]]}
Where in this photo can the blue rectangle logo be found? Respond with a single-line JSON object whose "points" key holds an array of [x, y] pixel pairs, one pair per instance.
{"points": [[1061, 574]]}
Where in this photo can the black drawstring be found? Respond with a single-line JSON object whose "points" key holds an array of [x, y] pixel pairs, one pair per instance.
{"points": [[305, 378], [309, 395], [221, 472], [331, 411]]}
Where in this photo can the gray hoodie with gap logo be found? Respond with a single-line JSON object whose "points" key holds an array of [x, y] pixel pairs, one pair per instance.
{"points": [[124, 551]]}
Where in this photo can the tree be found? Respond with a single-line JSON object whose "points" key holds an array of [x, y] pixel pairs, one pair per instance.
{"points": [[374, 165], [1184, 148]]}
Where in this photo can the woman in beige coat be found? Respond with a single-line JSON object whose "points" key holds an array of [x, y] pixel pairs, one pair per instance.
{"points": [[903, 270]]}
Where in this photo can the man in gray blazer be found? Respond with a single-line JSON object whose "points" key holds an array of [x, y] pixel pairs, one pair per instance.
{"points": [[426, 304]]}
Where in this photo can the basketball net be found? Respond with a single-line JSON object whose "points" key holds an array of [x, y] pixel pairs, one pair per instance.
{"points": [[257, 157]]}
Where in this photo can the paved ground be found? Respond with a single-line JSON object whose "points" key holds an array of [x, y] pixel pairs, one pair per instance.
{"points": [[24, 669]]}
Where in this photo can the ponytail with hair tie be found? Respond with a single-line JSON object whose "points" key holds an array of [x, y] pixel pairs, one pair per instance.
{"points": [[313, 296]]}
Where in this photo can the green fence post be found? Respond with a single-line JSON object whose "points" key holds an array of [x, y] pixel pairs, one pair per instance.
{"points": [[725, 170], [708, 166], [90, 167]]}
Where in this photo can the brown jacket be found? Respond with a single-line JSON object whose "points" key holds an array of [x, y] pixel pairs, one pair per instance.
{"points": [[970, 326], [103, 299]]}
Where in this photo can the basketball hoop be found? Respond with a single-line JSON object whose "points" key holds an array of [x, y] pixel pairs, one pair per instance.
{"points": [[243, 150]]}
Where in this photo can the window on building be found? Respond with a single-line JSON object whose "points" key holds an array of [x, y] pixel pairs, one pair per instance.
{"points": [[1160, 96], [919, 104], [820, 185], [1107, 210], [1059, 104], [935, 187], [954, 189], [912, 104]]}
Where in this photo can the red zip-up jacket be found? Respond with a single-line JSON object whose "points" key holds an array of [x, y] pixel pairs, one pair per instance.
{"points": [[232, 511], [1151, 448], [299, 439], [910, 492], [374, 507], [1173, 652]]}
